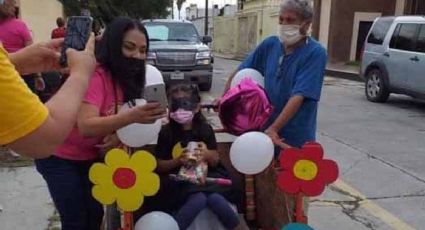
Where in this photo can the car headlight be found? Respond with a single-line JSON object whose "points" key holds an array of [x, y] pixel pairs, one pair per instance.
{"points": [[203, 62], [203, 54]]}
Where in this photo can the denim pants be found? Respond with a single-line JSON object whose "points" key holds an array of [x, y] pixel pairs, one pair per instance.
{"points": [[70, 188]]}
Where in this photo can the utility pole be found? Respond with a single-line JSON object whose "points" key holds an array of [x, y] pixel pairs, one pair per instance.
{"points": [[172, 9], [84, 7], [206, 17]]}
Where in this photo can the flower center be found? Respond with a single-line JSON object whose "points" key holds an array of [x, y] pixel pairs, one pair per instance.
{"points": [[305, 170], [124, 178]]}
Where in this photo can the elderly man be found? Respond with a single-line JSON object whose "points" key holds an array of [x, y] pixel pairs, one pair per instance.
{"points": [[293, 65]]}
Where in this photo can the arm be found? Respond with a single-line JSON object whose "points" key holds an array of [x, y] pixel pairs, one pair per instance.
{"points": [[91, 124], [290, 109], [307, 86], [52, 132], [166, 166]]}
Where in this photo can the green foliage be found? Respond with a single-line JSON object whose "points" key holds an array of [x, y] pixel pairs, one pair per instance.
{"points": [[106, 10]]}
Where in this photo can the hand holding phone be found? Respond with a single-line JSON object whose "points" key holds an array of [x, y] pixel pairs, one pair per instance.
{"points": [[78, 31], [156, 93]]}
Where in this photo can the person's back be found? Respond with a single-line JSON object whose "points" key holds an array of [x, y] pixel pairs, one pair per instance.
{"points": [[14, 34], [60, 31]]}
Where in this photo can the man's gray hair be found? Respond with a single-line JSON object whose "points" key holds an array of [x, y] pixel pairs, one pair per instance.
{"points": [[302, 7]]}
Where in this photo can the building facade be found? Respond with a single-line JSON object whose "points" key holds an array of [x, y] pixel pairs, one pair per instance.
{"points": [[40, 16], [342, 25]]}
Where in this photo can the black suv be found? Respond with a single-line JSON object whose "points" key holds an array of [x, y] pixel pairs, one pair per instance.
{"points": [[178, 51]]}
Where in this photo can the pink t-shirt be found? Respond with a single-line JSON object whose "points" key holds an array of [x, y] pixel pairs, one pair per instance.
{"points": [[14, 34], [100, 93]]}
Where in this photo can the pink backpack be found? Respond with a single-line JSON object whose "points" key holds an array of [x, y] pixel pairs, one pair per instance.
{"points": [[244, 108]]}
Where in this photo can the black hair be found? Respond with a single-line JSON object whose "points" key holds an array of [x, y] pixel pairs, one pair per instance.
{"points": [[199, 119], [109, 52], [60, 22]]}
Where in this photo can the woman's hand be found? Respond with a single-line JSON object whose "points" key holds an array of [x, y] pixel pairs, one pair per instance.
{"points": [[273, 134], [109, 142], [146, 114]]}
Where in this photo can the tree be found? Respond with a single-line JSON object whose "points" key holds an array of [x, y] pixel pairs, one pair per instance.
{"points": [[106, 10], [179, 6]]}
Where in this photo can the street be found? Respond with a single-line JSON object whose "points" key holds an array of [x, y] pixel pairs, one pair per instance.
{"points": [[379, 148]]}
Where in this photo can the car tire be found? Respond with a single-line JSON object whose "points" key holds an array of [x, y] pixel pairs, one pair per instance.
{"points": [[206, 86], [376, 87]]}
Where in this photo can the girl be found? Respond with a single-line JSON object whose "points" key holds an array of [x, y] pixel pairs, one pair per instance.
{"points": [[187, 124], [119, 77]]}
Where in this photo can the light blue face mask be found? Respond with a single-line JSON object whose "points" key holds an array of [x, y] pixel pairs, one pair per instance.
{"points": [[1, 2]]}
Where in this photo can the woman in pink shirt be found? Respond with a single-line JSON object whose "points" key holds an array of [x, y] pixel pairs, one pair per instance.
{"points": [[118, 78], [15, 35]]}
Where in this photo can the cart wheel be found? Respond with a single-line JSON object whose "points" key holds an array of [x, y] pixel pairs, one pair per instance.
{"points": [[113, 217]]}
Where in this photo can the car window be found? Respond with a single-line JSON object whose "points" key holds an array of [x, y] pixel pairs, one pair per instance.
{"points": [[158, 31], [379, 30], [420, 44], [404, 37]]}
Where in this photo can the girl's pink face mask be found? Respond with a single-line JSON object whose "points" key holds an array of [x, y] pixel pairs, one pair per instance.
{"points": [[182, 116]]}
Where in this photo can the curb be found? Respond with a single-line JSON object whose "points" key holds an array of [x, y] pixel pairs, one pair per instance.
{"points": [[343, 74]]}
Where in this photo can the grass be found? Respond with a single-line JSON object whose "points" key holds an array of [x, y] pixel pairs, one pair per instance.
{"points": [[9, 161], [353, 63]]}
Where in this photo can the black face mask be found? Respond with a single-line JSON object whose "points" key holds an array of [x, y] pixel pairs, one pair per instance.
{"points": [[185, 103], [130, 74]]}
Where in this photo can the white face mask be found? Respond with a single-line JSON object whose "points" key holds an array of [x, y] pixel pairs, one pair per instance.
{"points": [[289, 34]]}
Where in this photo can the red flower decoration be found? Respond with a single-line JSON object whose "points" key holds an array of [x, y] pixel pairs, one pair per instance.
{"points": [[304, 170]]}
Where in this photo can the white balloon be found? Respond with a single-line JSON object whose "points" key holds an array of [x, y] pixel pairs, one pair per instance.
{"points": [[252, 152], [247, 73], [138, 135], [156, 221], [153, 75]]}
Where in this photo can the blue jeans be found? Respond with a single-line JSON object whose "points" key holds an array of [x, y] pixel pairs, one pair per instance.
{"points": [[70, 188]]}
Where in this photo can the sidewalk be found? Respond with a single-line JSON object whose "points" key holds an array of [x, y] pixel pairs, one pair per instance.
{"points": [[337, 70]]}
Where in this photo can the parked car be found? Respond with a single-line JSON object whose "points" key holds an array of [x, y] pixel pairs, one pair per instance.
{"points": [[393, 60], [179, 52]]}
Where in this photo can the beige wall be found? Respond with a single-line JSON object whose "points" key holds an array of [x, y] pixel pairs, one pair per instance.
{"points": [[225, 35], [238, 35], [40, 16]]}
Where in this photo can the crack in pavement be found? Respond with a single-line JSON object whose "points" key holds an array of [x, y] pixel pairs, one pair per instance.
{"points": [[349, 207], [372, 156]]}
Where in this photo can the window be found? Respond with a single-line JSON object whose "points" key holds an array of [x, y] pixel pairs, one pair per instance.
{"points": [[420, 44], [159, 31], [404, 37], [379, 30]]}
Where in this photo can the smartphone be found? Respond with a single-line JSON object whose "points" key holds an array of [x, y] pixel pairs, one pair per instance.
{"points": [[78, 29], [156, 93]]}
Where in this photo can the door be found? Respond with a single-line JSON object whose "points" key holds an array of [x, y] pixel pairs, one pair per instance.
{"points": [[401, 49], [364, 28], [416, 81]]}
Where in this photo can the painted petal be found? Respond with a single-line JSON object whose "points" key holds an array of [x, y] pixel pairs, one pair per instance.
{"points": [[312, 151], [288, 183], [177, 150], [117, 158], [142, 162], [147, 183], [288, 157], [104, 194], [328, 171], [100, 174], [312, 188], [129, 200]]}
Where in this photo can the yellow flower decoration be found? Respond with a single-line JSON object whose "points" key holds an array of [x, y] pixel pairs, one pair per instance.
{"points": [[177, 150], [124, 179]]}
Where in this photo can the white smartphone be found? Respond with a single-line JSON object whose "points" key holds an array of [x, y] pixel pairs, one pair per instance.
{"points": [[156, 93]]}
